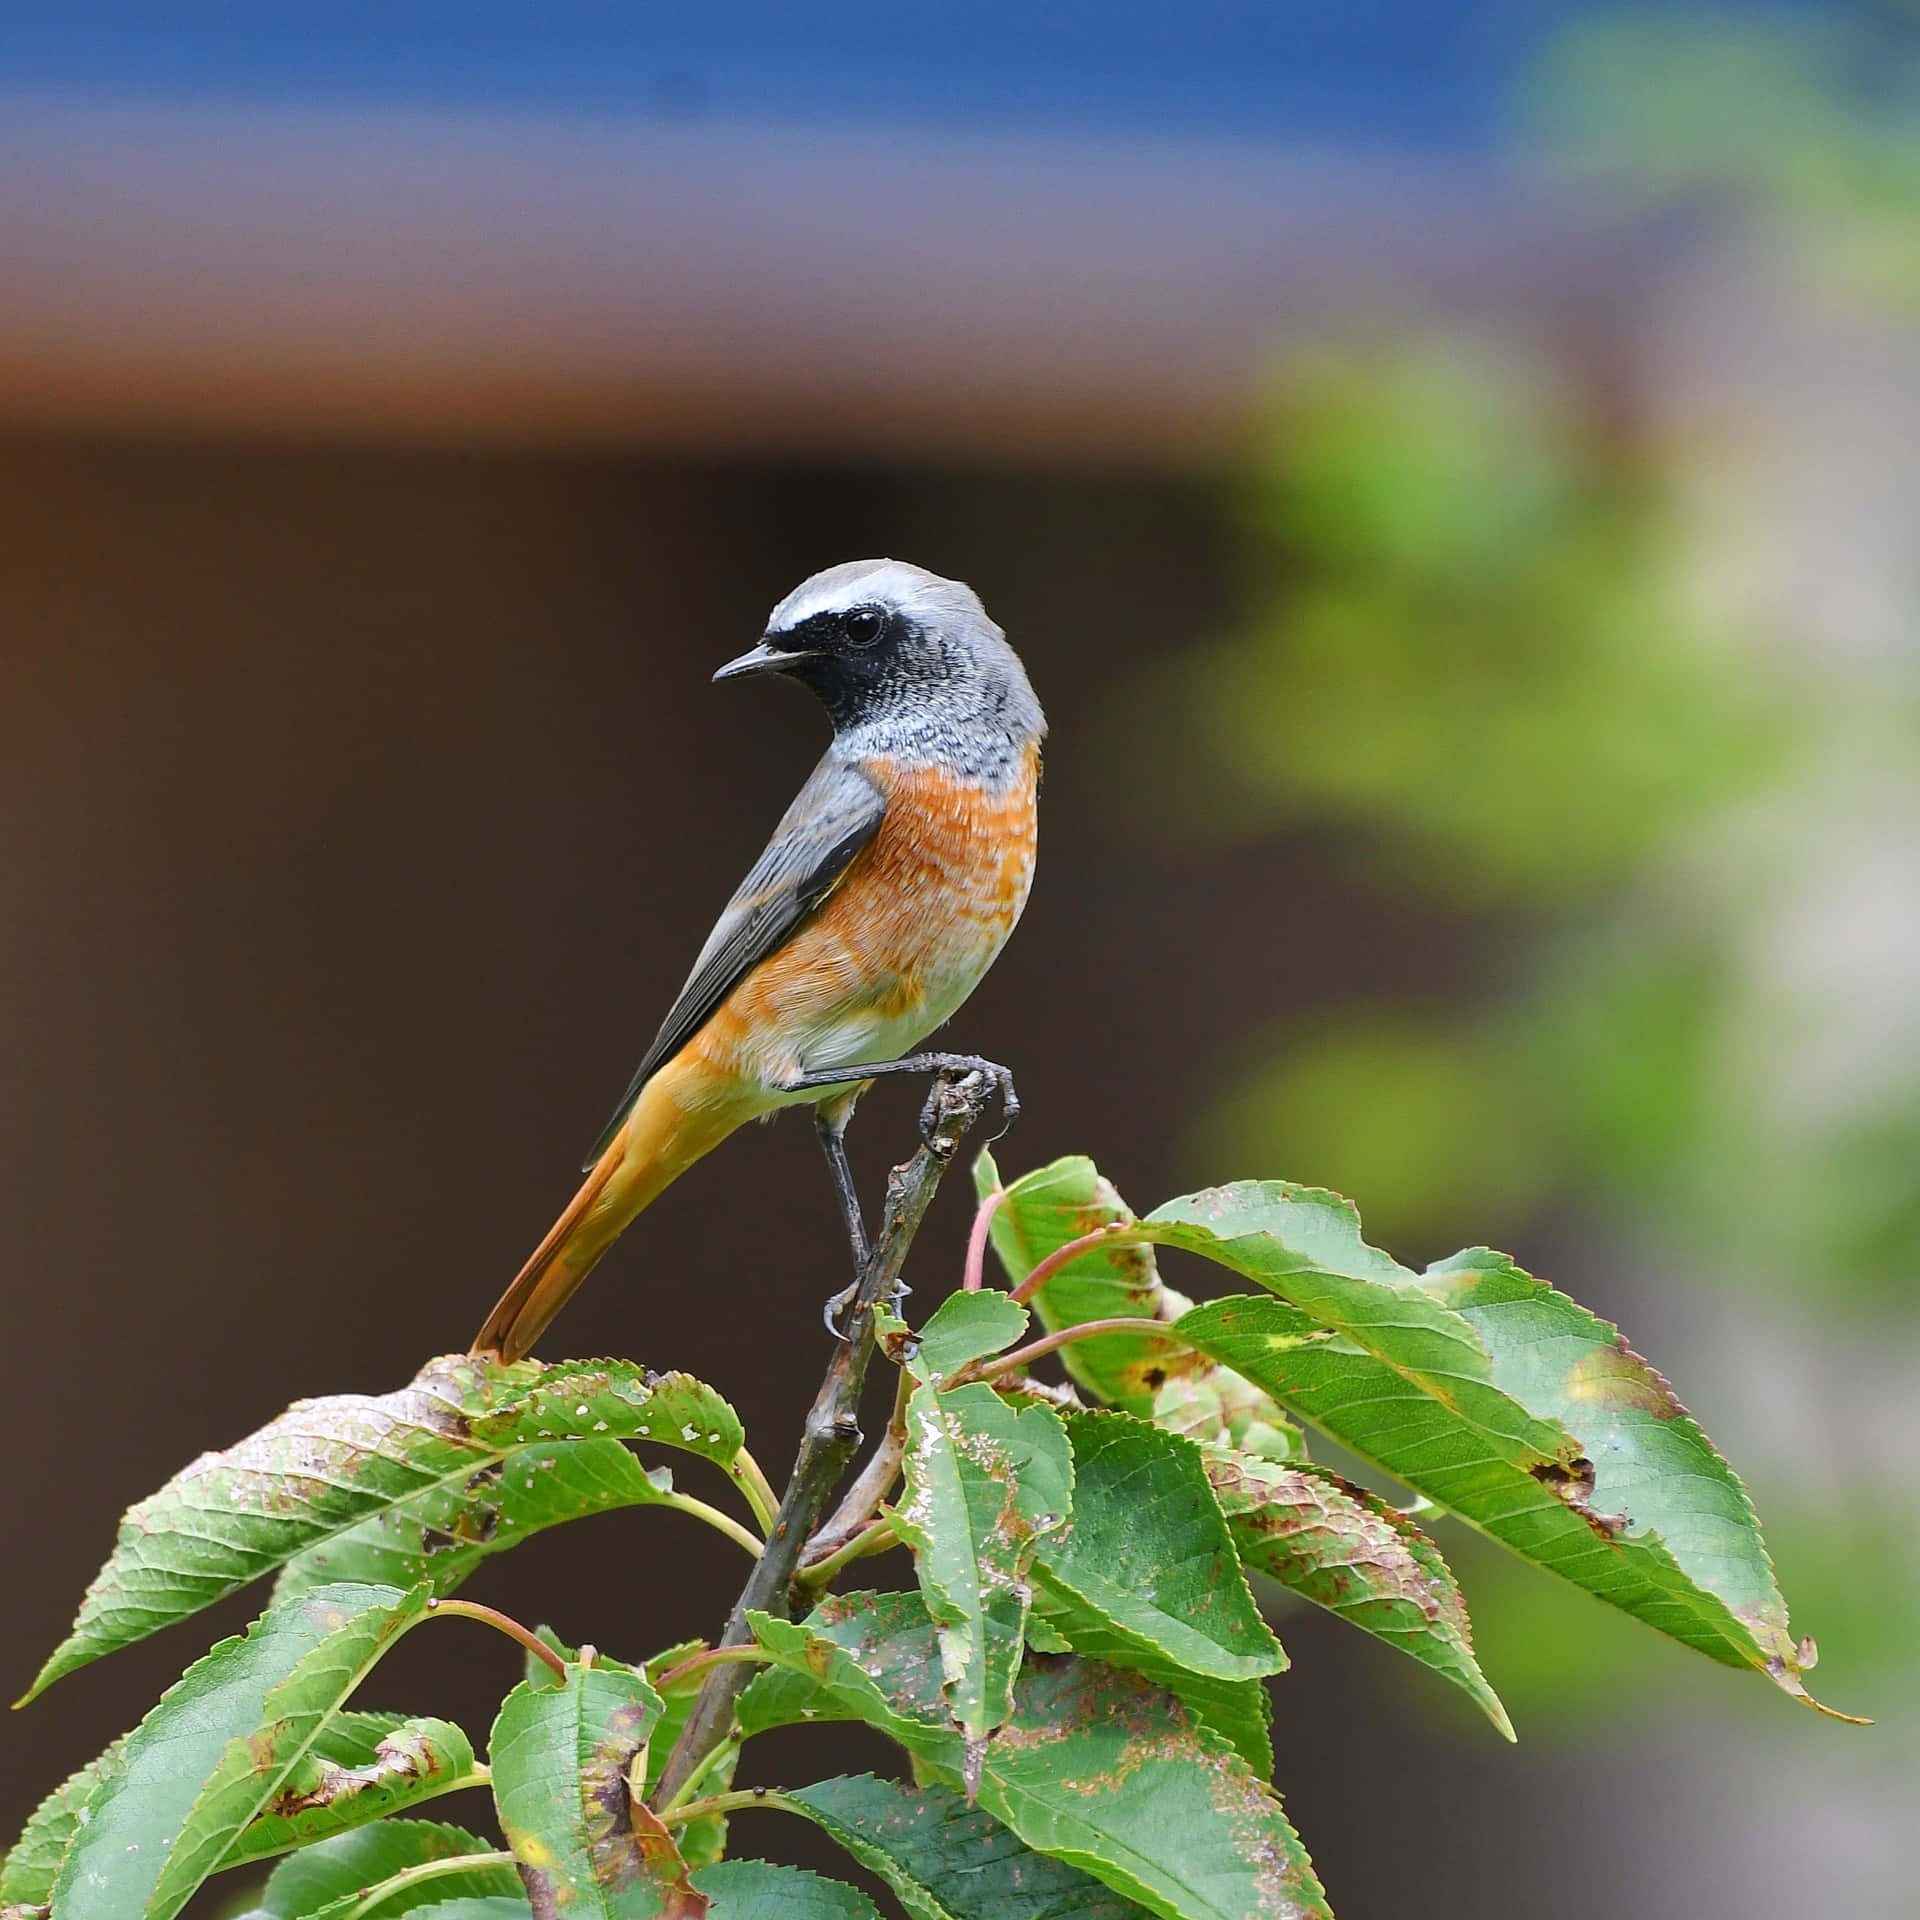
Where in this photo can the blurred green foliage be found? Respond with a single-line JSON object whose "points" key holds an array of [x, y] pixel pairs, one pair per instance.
{"points": [[1475, 643], [1804, 122], [1691, 850], [1479, 646]]}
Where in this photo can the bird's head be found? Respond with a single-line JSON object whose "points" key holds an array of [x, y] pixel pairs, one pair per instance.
{"points": [[889, 646]]}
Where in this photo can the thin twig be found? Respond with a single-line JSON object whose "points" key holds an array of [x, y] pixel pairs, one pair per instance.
{"points": [[872, 1485], [875, 1537], [833, 1427]]}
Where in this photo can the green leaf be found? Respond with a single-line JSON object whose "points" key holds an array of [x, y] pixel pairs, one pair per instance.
{"points": [[985, 1481], [219, 1746], [444, 1535], [1238, 1710], [820, 1673], [1096, 1767], [469, 1907], [759, 1890], [1215, 1406], [963, 1327], [1356, 1555], [561, 1759], [1149, 1550], [352, 1862], [26, 1877], [326, 1466], [1155, 1377], [1039, 1214], [945, 1860], [1146, 1577], [1503, 1401], [535, 1671], [360, 1767], [424, 1901]]}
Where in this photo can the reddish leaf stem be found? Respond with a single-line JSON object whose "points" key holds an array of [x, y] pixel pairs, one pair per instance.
{"points": [[1065, 1257], [699, 1662], [974, 1270], [1034, 1350], [503, 1623]]}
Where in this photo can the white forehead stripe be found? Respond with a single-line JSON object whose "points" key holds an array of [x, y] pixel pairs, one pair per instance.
{"points": [[891, 583]]}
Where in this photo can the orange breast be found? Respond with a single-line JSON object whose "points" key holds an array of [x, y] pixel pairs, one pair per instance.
{"points": [[905, 937]]}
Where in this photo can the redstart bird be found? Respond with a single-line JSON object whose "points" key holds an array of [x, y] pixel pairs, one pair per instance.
{"points": [[878, 906]]}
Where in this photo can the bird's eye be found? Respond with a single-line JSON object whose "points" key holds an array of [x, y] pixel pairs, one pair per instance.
{"points": [[863, 626]]}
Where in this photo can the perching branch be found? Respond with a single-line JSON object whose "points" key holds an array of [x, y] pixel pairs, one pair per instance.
{"points": [[874, 1482], [832, 1431]]}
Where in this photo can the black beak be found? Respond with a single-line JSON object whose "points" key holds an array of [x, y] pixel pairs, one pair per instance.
{"points": [[762, 659]]}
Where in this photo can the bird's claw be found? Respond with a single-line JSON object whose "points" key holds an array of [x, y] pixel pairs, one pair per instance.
{"points": [[957, 1069], [832, 1311], [836, 1306]]}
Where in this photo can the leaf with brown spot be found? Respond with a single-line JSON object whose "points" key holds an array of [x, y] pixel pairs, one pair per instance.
{"points": [[945, 1860], [1095, 1767], [445, 1535], [1353, 1553], [221, 1743], [361, 1767], [327, 1467], [1141, 1373], [1147, 1577], [1501, 1400], [561, 1759], [986, 1482]]}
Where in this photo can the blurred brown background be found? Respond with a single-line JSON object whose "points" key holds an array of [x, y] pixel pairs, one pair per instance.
{"points": [[365, 809], [1451, 473]]}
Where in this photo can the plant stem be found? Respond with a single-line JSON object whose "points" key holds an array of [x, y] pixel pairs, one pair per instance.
{"points": [[1065, 1336], [832, 1430], [720, 1522], [427, 1870], [872, 1485], [1114, 1232], [746, 1473], [875, 1537], [975, 1269], [692, 1810], [503, 1623], [708, 1657], [704, 1771]]}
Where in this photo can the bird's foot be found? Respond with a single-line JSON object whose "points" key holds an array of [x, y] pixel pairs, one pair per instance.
{"points": [[832, 1313], [946, 1067]]}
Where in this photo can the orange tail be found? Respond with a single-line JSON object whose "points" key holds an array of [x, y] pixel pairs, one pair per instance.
{"points": [[661, 1139]]}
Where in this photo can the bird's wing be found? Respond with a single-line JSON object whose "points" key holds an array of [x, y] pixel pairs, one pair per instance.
{"points": [[832, 817]]}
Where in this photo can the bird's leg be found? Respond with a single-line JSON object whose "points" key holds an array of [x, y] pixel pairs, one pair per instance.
{"points": [[935, 1063], [830, 1123]]}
